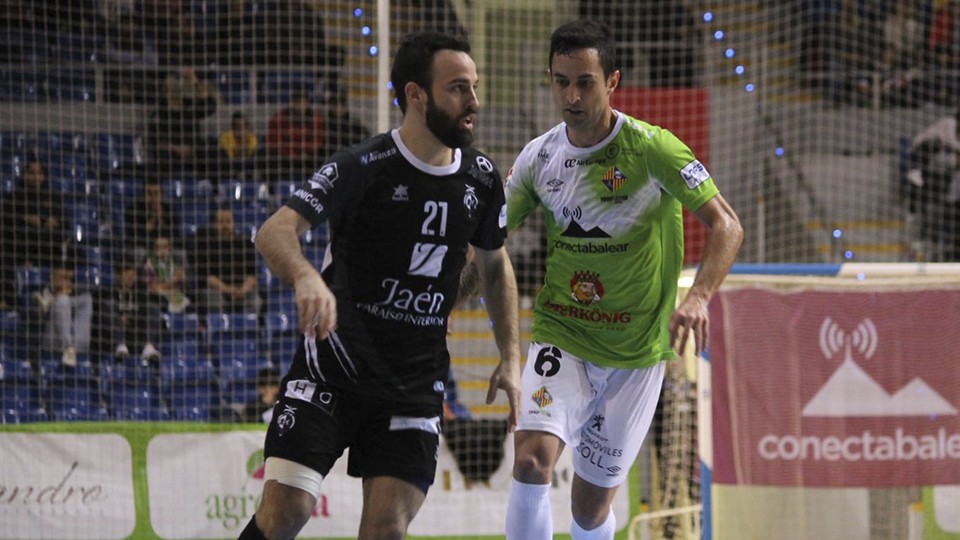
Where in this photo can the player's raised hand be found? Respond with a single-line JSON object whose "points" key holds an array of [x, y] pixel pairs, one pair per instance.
{"points": [[316, 306]]}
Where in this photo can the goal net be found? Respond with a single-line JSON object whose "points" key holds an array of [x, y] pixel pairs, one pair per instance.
{"points": [[142, 144]]}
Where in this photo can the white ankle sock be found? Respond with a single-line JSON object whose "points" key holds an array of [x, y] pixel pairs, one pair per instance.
{"points": [[529, 516], [603, 532]]}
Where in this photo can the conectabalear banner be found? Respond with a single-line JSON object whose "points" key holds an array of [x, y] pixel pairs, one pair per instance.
{"points": [[836, 388]]}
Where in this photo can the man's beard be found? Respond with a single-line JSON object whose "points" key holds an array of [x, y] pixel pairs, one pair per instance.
{"points": [[446, 128]]}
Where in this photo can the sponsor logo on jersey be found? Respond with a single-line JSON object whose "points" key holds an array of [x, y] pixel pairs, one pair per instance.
{"points": [[416, 307], [470, 200], [586, 287], [311, 200], [306, 390], [591, 248], [542, 397], [286, 420], [611, 151], [597, 424], [325, 177], [401, 193], [613, 179], [367, 159], [484, 164], [590, 315], [576, 162], [543, 155], [575, 230], [694, 174], [484, 178], [554, 185], [426, 259]]}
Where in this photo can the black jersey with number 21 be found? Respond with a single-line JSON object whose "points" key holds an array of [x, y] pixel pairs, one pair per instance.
{"points": [[399, 230]]}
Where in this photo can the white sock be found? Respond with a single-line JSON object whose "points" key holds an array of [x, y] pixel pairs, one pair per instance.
{"points": [[603, 532], [529, 516]]}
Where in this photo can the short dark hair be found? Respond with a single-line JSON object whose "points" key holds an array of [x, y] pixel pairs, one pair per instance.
{"points": [[268, 375], [585, 34], [414, 60], [237, 115]]}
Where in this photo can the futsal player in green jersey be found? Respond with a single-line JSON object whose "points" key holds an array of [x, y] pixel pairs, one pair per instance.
{"points": [[612, 188]]}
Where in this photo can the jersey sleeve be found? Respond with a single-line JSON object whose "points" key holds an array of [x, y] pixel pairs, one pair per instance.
{"points": [[680, 173], [314, 200], [492, 231], [521, 196]]}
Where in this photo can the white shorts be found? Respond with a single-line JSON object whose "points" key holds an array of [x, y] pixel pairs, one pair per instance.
{"points": [[602, 413]]}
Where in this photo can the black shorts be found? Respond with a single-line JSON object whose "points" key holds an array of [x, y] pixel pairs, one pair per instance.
{"points": [[384, 438]]}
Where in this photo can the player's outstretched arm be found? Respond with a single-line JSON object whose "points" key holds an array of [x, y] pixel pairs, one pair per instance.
{"points": [[499, 285], [723, 242], [279, 242]]}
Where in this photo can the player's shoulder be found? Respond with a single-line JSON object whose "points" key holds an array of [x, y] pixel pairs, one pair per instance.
{"points": [[479, 166], [542, 148], [373, 152]]}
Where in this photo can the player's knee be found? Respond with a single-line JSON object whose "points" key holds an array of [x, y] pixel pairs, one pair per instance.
{"points": [[383, 530], [532, 467], [283, 521]]}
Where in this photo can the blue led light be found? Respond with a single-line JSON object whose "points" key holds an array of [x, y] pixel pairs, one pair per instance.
{"points": [[707, 16], [718, 35], [837, 233], [749, 87], [779, 151], [730, 53], [848, 254], [365, 30], [389, 85], [374, 50], [739, 70], [358, 12], [861, 276]]}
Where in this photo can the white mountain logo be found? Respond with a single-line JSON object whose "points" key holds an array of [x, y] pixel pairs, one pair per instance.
{"points": [[850, 391]]}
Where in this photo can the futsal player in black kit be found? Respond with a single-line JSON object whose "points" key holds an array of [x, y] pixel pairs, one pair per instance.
{"points": [[369, 371]]}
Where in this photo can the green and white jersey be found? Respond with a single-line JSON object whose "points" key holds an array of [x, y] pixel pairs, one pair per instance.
{"points": [[614, 237]]}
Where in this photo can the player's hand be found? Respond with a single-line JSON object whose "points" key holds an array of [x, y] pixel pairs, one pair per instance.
{"points": [[691, 317], [507, 378], [316, 306]]}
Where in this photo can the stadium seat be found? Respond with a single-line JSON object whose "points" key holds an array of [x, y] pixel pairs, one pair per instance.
{"points": [[192, 402], [19, 86], [182, 362], [114, 150], [53, 371], [222, 325], [136, 401], [281, 337], [276, 85], [13, 368], [20, 403], [73, 401], [281, 300], [75, 47], [234, 86], [54, 142], [71, 85], [237, 360], [175, 189]]}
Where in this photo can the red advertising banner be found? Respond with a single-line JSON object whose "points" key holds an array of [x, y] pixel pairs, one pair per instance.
{"points": [[836, 388]]}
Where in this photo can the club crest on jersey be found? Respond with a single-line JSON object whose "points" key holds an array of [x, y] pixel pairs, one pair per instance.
{"points": [[586, 287], [542, 397], [694, 174], [470, 200], [325, 177], [613, 179], [400, 193]]}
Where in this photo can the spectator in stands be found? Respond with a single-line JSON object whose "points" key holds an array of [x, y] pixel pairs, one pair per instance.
{"points": [[226, 267], [35, 226], [341, 130], [268, 388], [900, 62], [69, 316], [295, 138], [165, 276], [238, 145], [933, 189], [126, 318], [943, 50], [180, 149], [150, 218]]}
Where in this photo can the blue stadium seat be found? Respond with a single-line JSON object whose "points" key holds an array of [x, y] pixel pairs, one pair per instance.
{"points": [[180, 189], [53, 371], [72, 85], [234, 86], [20, 86], [237, 360], [195, 214], [14, 368], [87, 220], [281, 300], [193, 402], [137, 401], [249, 216], [232, 326], [182, 325], [30, 280], [67, 172], [55, 142], [181, 361], [73, 401], [116, 149], [239, 392], [20, 403], [266, 279], [75, 47], [281, 337], [9, 328]]}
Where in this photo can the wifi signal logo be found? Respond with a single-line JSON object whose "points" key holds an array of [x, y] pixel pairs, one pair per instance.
{"points": [[577, 213], [833, 339]]}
